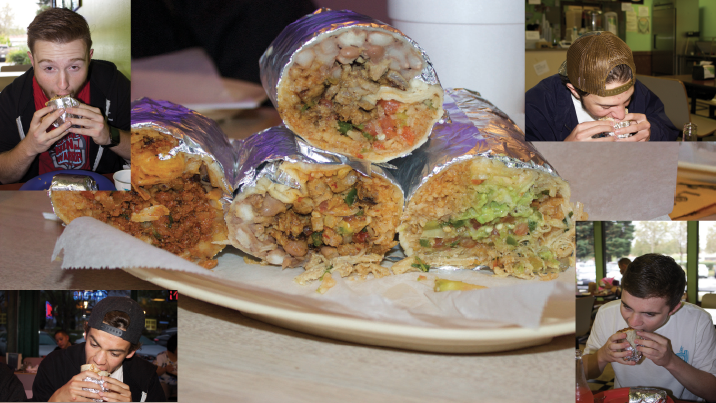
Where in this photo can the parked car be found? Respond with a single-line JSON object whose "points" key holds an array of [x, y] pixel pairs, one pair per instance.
{"points": [[4, 50], [703, 270], [163, 338], [586, 273], [148, 351], [47, 344]]}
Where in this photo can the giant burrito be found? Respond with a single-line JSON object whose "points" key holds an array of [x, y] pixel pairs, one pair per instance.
{"points": [[350, 84]]}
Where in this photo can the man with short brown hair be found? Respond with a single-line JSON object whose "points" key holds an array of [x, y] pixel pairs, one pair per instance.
{"points": [[112, 339], [96, 138]]}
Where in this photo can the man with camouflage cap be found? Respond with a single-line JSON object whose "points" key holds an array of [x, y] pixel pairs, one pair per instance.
{"points": [[112, 338], [595, 89]]}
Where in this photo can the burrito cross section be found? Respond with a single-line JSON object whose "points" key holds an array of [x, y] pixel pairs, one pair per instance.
{"points": [[357, 91], [173, 204], [336, 215], [519, 222]]}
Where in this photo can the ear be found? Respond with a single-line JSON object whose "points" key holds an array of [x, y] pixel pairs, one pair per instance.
{"points": [[91, 53], [676, 308], [130, 355], [572, 90], [32, 61]]}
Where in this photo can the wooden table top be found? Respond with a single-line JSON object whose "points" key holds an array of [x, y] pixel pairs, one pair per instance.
{"points": [[227, 356]]}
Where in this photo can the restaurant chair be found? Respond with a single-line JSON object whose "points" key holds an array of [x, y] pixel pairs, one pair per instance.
{"points": [[708, 301], [583, 316], [676, 104]]}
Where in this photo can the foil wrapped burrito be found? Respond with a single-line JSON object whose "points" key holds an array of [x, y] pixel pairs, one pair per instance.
{"points": [[479, 195], [631, 338], [300, 206], [351, 84], [182, 170], [647, 395], [100, 383], [63, 102]]}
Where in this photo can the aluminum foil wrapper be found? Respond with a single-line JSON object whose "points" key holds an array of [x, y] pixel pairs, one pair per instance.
{"points": [[647, 395], [304, 32], [635, 356], [73, 182], [63, 103], [100, 388], [262, 153], [617, 125], [196, 133], [472, 127]]}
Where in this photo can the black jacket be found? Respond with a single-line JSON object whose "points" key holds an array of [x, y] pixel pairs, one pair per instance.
{"points": [[60, 366], [109, 88], [11, 389], [550, 114]]}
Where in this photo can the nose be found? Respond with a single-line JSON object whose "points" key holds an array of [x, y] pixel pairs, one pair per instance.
{"points": [[64, 82], [633, 321], [618, 113]]}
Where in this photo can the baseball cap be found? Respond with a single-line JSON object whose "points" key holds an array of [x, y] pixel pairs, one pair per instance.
{"points": [[122, 304], [592, 57]]}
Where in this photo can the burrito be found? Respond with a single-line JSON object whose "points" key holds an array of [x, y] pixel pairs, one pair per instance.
{"points": [[479, 195], [631, 338], [518, 222], [100, 383], [297, 205], [175, 203], [350, 84]]}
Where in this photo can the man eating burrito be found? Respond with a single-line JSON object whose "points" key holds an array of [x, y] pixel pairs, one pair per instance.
{"points": [[112, 339]]}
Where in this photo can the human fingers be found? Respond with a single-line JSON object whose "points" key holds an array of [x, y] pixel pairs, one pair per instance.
{"points": [[587, 131], [87, 123], [40, 113], [45, 121], [86, 111], [638, 117]]}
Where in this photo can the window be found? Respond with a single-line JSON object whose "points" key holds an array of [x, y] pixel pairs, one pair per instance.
{"points": [[707, 258]]}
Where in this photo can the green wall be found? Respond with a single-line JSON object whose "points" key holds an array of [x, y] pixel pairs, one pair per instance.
{"points": [[641, 42], [707, 19], [109, 22]]}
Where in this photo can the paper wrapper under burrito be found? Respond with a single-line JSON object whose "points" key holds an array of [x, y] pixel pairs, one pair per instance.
{"points": [[647, 395], [179, 186], [631, 337], [100, 383], [478, 194], [64, 102], [300, 206], [351, 84]]}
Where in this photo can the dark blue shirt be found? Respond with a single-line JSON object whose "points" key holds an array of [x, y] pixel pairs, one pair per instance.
{"points": [[550, 114]]}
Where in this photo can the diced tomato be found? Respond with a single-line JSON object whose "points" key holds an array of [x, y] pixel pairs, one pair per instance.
{"points": [[326, 102], [437, 242], [521, 229], [390, 107], [360, 156], [387, 124], [475, 224], [378, 145], [497, 263], [408, 135], [477, 181]]}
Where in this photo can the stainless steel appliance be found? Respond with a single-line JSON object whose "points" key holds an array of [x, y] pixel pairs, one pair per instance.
{"points": [[663, 52]]}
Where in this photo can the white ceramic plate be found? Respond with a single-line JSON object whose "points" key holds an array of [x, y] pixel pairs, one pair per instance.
{"points": [[270, 307]]}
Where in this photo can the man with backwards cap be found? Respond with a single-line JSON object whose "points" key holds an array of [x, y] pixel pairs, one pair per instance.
{"points": [[112, 338], [595, 82]]}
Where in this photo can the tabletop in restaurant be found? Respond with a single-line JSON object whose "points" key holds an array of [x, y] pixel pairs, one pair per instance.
{"points": [[228, 356]]}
